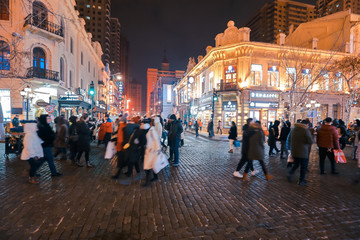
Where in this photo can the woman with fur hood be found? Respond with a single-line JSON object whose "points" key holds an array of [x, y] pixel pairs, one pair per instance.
{"points": [[33, 150]]}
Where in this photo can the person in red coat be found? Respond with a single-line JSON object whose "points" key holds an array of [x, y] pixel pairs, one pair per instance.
{"points": [[101, 133], [327, 141]]}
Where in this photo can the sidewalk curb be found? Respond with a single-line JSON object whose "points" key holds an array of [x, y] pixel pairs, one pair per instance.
{"points": [[212, 139]]}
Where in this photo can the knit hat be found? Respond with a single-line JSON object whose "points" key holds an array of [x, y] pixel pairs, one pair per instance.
{"points": [[173, 117]]}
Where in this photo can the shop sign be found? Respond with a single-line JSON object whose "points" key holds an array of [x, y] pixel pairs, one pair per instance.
{"points": [[194, 110], [205, 100], [81, 91], [264, 105], [231, 69], [267, 95], [204, 108], [42, 104], [230, 106], [71, 98]]}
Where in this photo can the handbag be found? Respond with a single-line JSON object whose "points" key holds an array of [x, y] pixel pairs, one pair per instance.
{"points": [[290, 161], [127, 145], [339, 156], [237, 143], [160, 162]]}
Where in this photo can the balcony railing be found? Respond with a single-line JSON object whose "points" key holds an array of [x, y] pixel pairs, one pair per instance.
{"points": [[44, 24], [101, 82], [43, 74], [227, 86]]}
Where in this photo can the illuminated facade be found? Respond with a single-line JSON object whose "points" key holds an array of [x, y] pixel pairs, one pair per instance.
{"points": [[238, 79], [328, 7]]}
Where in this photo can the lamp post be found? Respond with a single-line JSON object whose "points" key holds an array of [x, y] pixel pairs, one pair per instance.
{"points": [[27, 95], [92, 93]]}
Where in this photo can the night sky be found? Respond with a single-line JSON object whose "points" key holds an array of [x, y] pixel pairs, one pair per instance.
{"points": [[183, 27]]}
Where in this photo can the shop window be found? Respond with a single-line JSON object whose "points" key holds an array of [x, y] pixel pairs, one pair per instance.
{"points": [[39, 58], [273, 76], [290, 77], [256, 74], [4, 10], [61, 69], [4, 55]]}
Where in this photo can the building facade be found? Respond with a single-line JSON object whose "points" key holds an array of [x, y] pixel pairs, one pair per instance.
{"points": [[153, 76], [238, 79], [50, 57], [328, 7], [115, 46], [279, 16], [135, 96], [97, 18], [124, 64]]}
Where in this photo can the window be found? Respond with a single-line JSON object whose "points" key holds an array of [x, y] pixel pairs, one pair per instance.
{"points": [[89, 66], [87, 5], [202, 84], [211, 80], [4, 10], [39, 58], [61, 69], [324, 81], [273, 76], [40, 14], [87, 17], [70, 79], [4, 55], [256, 74], [81, 84], [71, 45], [337, 82], [305, 78], [230, 74], [290, 77]]}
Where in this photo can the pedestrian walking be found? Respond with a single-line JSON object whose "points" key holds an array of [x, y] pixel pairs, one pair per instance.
{"points": [[196, 126], [174, 131], [342, 134], [120, 151], [273, 137], [300, 141], [285, 130], [256, 140], [232, 136], [83, 131], [219, 127], [101, 132], [327, 141], [47, 135], [32, 151], [108, 125], [73, 138], [356, 141], [61, 140], [200, 124]]}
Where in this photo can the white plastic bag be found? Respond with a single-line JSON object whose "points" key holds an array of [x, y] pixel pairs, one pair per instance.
{"points": [[110, 150], [160, 162]]}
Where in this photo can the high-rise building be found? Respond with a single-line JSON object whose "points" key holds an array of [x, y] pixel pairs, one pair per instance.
{"points": [[327, 7], [115, 46], [153, 75], [135, 98], [277, 17], [97, 19], [124, 64]]}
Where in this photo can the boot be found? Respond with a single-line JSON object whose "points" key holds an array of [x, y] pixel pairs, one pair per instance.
{"points": [[155, 178], [269, 177], [245, 177], [117, 175], [147, 179], [33, 180]]}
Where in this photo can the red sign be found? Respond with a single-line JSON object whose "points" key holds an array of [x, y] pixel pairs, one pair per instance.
{"points": [[49, 108]]}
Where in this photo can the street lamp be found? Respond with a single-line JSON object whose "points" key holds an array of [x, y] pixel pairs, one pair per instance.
{"points": [[27, 94], [92, 93]]}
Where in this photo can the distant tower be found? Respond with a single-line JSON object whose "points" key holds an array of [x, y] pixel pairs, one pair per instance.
{"points": [[165, 65]]}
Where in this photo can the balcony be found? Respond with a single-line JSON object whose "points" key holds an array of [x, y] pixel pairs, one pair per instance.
{"points": [[231, 86], [44, 28], [43, 74], [100, 82]]}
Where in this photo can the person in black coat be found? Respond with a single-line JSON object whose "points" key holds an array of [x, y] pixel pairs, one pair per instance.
{"points": [[285, 130], [273, 137], [73, 138], [46, 134], [83, 145], [174, 135], [232, 136]]}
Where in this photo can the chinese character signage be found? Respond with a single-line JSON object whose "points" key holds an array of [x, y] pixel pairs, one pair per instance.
{"points": [[267, 95], [230, 106]]}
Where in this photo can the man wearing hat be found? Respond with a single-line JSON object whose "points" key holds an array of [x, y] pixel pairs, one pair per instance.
{"points": [[174, 134]]}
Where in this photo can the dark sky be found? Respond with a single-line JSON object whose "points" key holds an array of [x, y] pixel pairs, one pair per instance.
{"points": [[183, 27]]}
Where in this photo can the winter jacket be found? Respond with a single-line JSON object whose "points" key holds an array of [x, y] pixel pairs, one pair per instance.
{"points": [[72, 132], [327, 137], [285, 130], [157, 125], [233, 133], [102, 132], [120, 136], [174, 132], [62, 137], [108, 127], [300, 141], [152, 148], [45, 132], [32, 143], [256, 139], [84, 136]]}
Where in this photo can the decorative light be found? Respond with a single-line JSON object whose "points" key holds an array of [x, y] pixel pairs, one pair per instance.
{"points": [[308, 105], [317, 105], [312, 101]]}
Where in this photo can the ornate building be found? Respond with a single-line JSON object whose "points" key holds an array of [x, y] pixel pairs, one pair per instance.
{"points": [[46, 51], [238, 79]]}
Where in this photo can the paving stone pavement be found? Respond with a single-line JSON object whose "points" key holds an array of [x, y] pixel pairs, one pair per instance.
{"points": [[200, 199]]}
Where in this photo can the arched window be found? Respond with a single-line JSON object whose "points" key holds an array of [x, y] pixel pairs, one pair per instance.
{"points": [[4, 55], [62, 69], [40, 13], [39, 58], [4, 10]]}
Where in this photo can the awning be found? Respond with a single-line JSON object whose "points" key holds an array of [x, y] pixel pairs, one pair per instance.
{"points": [[100, 109], [73, 103]]}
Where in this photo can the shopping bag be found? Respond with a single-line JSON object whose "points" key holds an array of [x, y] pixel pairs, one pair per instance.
{"points": [[237, 143], [290, 161], [339, 156], [160, 162], [110, 150]]}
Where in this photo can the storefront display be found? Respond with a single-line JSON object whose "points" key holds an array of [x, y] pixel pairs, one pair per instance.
{"points": [[5, 104], [229, 109]]}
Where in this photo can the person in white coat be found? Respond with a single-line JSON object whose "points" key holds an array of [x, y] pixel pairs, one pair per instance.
{"points": [[32, 151], [157, 125], [152, 150]]}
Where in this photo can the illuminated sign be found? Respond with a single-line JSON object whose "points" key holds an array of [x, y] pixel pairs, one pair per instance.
{"points": [[273, 69], [191, 79], [168, 94], [230, 106], [268, 95], [264, 105], [230, 69]]}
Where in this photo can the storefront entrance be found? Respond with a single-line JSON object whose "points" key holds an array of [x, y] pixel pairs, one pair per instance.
{"points": [[265, 116]]}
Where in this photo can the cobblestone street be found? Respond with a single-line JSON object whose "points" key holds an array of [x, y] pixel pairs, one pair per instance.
{"points": [[200, 199]]}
